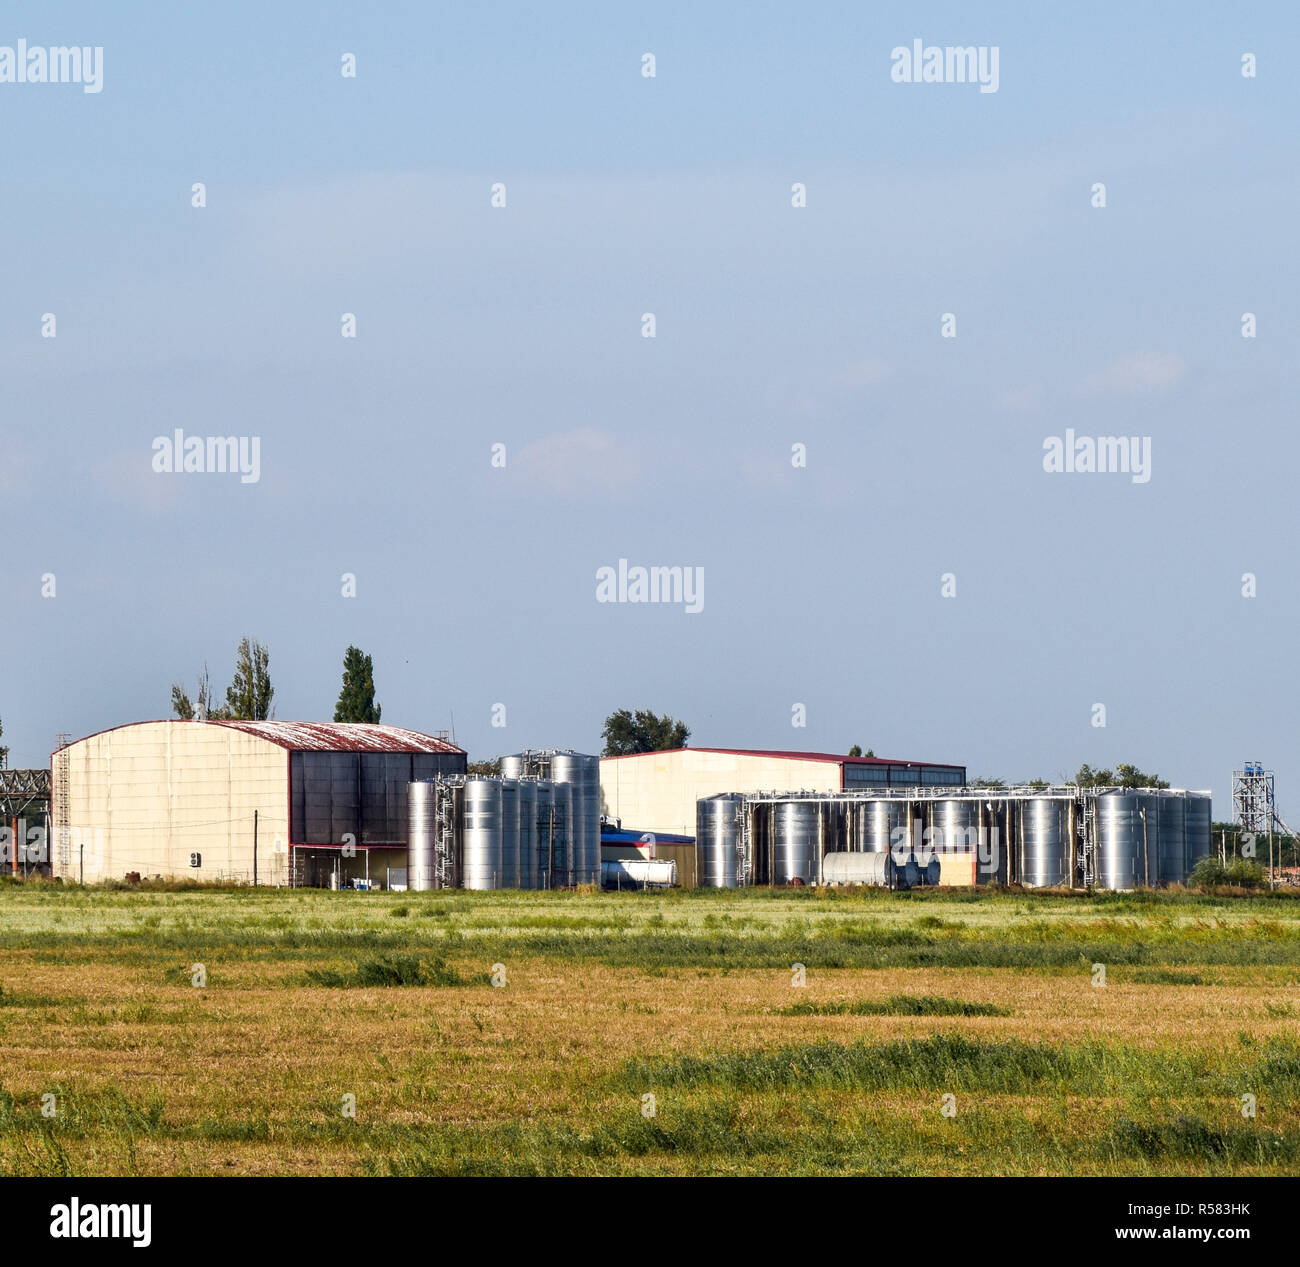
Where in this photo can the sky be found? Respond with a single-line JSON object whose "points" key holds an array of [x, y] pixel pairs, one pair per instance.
{"points": [[776, 326]]}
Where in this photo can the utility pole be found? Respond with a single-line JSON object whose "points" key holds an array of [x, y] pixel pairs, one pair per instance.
{"points": [[255, 849]]}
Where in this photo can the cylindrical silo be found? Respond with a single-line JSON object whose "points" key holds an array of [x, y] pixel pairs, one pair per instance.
{"points": [[795, 853], [481, 851], [1119, 863], [582, 773], [562, 835], [513, 766], [717, 840], [1196, 814], [421, 823], [545, 833], [954, 824], [1171, 840], [881, 819], [527, 834], [509, 835], [1043, 860]]}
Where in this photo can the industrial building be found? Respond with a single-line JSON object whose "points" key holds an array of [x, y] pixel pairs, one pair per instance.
{"points": [[1067, 837], [267, 802], [657, 791]]}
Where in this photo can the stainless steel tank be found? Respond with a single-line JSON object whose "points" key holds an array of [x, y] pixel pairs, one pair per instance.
{"points": [[717, 841], [527, 834], [842, 867], [481, 849], [1043, 856], [880, 820], [1171, 840], [545, 832], [1119, 862], [1197, 820], [954, 824], [509, 835], [421, 822], [512, 767], [797, 832], [582, 773], [562, 868]]}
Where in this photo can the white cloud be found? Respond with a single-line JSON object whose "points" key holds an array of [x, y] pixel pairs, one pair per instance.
{"points": [[583, 460], [1141, 372]]}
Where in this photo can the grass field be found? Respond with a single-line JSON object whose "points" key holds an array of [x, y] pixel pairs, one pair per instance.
{"points": [[687, 997]]}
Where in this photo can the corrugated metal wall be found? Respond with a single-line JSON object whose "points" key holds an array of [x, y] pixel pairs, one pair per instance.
{"points": [[362, 794]]}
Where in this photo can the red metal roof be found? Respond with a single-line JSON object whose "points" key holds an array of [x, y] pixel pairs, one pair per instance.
{"points": [[798, 756], [311, 736]]}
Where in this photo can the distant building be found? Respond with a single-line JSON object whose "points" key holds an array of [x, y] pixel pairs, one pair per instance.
{"points": [[657, 791], [177, 799]]}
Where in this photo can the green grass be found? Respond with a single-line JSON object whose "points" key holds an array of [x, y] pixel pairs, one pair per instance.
{"points": [[685, 997], [897, 1005]]}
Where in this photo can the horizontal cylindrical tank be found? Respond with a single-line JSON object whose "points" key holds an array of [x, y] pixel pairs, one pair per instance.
{"points": [[795, 856], [843, 867], [717, 841], [481, 848], [928, 866], [1120, 858], [642, 873], [1043, 857], [421, 823]]}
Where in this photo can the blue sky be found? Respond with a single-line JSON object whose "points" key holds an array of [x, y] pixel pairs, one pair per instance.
{"points": [[775, 326]]}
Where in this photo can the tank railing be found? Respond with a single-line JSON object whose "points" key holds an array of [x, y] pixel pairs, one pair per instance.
{"points": [[1018, 792]]}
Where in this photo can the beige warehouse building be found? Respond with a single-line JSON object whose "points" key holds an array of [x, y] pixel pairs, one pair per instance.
{"points": [[657, 791], [238, 801]]}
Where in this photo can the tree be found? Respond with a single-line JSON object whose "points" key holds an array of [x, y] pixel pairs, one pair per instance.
{"points": [[248, 697], [989, 783], [490, 769], [643, 731], [856, 750], [1121, 776], [357, 697], [204, 709]]}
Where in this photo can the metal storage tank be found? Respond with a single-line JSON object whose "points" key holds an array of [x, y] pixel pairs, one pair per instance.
{"points": [[928, 867], [1043, 860], [562, 834], [717, 840], [954, 824], [421, 820], [582, 773], [527, 834], [907, 871], [882, 819], [1197, 821], [842, 867], [639, 873], [509, 835], [512, 767], [1119, 862], [795, 848], [545, 793], [1172, 840], [481, 850]]}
